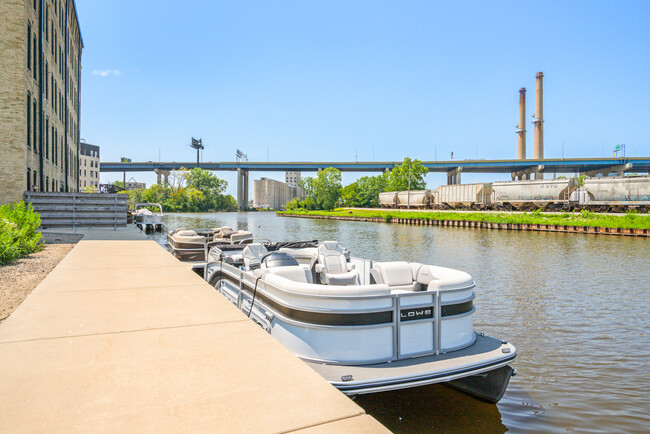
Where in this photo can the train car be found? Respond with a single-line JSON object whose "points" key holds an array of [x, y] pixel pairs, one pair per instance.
{"points": [[414, 199], [467, 196], [616, 193], [388, 199], [534, 194]]}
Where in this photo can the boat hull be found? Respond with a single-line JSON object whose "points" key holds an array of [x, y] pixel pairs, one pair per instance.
{"points": [[480, 370], [489, 386]]}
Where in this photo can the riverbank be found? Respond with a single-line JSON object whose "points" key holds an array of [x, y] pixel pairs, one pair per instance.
{"points": [[630, 224]]}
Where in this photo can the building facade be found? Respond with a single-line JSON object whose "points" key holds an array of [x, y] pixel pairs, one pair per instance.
{"points": [[40, 51], [292, 178], [269, 193], [88, 166], [135, 185]]}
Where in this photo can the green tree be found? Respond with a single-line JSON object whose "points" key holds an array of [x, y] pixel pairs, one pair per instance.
{"points": [[307, 184], [369, 189], [205, 181], [350, 195], [398, 180], [327, 188]]}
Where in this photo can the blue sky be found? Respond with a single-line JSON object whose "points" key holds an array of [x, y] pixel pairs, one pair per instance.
{"points": [[328, 80]]}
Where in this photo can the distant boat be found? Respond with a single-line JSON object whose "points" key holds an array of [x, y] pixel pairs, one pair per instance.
{"points": [[146, 220]]}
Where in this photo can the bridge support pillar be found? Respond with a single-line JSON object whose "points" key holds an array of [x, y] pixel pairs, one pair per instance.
{"points": [[242, 189], [533, 172], [605, 171], [453, 176], [162, 176]]}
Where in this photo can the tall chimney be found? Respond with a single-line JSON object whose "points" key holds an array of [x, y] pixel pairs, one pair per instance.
{"points": [[521, 128], [538, 152]]}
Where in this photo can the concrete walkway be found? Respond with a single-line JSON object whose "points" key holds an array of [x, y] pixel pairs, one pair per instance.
{"points": [[121, 336]]}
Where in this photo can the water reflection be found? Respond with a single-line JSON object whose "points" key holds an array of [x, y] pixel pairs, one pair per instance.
{"points": [[576, 306]]}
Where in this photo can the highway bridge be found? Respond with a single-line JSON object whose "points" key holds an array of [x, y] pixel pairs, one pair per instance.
{"points": [[519, 169]]}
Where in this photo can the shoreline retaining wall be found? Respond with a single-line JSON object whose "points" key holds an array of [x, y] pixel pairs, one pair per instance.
{"points": [[487, 225]]}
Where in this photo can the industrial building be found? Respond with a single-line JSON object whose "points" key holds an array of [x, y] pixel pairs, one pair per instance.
{"points": [[292, 178], [269, 193], [89, 166], [40, 48]]}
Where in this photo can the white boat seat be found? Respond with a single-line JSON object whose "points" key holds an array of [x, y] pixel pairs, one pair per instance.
{"points": [[295, 273], [252, 255], [397, 275], [240, 237], [333, 266]]}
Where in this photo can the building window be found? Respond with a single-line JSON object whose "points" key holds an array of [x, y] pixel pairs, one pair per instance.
{"points": [[53, 185], [34, 56], [35, 182], [47, 183], [29, 46], [84, 162], [47, 137], [84, 173], [35, 141], [29, 120], [29, 179]]}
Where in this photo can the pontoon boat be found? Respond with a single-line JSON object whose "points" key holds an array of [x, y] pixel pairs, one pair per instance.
{"points": [[365, 326], [147, 220]]}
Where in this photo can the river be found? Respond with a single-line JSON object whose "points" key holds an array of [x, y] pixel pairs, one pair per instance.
{"points": [[577, 308]]}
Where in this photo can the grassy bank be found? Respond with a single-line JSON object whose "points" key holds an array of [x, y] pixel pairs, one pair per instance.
{"points": [[584, 218]]}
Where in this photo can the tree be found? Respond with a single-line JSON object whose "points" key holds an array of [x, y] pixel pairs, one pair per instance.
{"points": [[327, 188], [369, 188], [398, 180], [205, 181], [350, 195], [307, 184]]}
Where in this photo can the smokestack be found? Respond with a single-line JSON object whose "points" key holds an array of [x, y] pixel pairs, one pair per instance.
{"points": [[521, 128], [538, 152]]}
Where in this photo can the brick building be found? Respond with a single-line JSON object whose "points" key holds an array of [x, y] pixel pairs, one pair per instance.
{"points": [[88, 166], [40, 55]]}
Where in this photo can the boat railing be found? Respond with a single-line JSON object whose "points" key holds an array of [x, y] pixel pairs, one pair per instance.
{"points": [[411, 314]]}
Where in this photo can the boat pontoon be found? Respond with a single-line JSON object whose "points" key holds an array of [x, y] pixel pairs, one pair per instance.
{"points": [[146, 220], [365, 326]]}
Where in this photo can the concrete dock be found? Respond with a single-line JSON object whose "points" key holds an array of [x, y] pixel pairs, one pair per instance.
{"points": [[121, 336]]}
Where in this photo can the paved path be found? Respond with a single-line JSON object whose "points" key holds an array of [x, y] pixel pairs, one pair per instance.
{"points": [[121, 336]]}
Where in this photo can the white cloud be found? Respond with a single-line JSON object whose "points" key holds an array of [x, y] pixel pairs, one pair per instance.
{"points": [[105, 72]]}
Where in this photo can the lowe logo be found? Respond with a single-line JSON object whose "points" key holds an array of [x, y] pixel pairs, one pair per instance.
{"points": [[417, 313]]}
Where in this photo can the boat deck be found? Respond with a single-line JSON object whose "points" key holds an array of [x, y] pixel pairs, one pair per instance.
{"points": [[121, 336], [485, 352]]}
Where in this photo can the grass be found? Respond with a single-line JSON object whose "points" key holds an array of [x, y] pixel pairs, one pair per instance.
{"points": [[631, 220]]}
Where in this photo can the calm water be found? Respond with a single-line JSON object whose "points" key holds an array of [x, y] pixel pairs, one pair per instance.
{"points": [[576, 306]]}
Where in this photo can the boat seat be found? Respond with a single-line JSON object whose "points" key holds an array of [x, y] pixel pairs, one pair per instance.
{"points": [[295, 273], [333, 266], [241, 237], [252, 255], [397, 275]]}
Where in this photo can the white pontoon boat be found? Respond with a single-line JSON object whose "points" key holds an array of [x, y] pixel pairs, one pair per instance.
{"points": [[147, 220], [365, 326]]}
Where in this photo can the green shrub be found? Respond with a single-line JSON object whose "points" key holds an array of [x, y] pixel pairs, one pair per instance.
{"points": [[19, 234]]}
